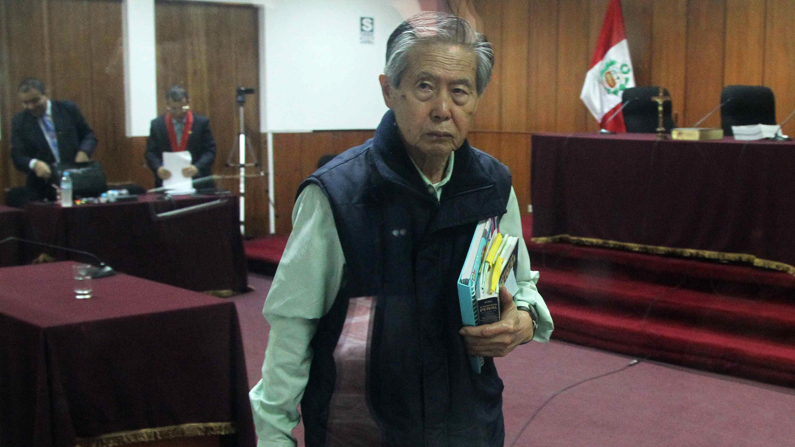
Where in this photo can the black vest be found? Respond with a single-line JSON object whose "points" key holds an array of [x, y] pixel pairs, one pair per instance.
{"points": [[405, 250]]}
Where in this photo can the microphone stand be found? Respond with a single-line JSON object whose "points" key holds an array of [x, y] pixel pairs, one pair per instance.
{"points": [[242, 148], [604, 131], [101, 271], [778, 136], [711, 112]]}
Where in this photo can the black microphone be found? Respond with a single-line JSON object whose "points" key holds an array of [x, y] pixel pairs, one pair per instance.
{"points": [[101, 271], [712, 111], [609, 132]]}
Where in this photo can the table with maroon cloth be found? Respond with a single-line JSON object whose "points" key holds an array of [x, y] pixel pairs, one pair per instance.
{"points": [[724, 200], [200, 250], [12, 224], [140, 361]]}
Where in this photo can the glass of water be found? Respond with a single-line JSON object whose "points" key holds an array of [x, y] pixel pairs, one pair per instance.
{"points": [[82, 275]]}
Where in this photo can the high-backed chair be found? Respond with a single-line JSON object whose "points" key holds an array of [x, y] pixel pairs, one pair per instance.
{"points": [[640, 111], [747, 104]]}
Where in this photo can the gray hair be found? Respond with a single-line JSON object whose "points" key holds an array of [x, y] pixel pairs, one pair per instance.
{"points": [[29, 84], [177, 93], [437, 27]]}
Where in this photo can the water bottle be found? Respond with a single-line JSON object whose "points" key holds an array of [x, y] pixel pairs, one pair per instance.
{"points": [[66, 190]]}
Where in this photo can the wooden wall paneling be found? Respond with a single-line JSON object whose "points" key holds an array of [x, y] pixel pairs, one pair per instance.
{"points": [[197, 45], [139, 171], [344, 140], [669, 45], [779, 60], [638, 25], [25, 33], [211, 49], [295, 158], [515, 148], [313, 146], [6, 167], [29, 41], [246, 63], [513, 65], [71, 54], [172, 59], [107, 103], [744, 59], [542, 66], [598, 8], [706, 21], [219, 98], [287, 177], [487, 141], [512, 149], [489, 109], [573, 60]]}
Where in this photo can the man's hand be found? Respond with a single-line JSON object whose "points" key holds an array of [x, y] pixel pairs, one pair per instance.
{"points": [[42, 170], [81, 157], [190, 171], [163, 173], [498, 339]]}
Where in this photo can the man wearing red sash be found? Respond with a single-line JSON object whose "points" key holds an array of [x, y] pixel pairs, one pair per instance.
{"points": [[179, 130]]}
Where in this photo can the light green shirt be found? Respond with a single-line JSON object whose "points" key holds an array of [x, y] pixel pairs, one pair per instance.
{"points": [[307, 282]]}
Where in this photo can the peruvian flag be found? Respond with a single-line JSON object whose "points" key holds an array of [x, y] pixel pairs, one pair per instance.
{"points": [[610, 73]]}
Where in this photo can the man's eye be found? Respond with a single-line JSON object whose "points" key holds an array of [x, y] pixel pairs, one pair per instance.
{"points": [[424, 86]]}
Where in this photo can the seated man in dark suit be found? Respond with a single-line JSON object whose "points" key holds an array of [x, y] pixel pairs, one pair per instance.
{"points": [[178, 130], [46, 132]]}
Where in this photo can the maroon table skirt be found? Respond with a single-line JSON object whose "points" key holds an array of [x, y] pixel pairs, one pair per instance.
{"points": [[139, 361], [726, 200], [200, 250]]}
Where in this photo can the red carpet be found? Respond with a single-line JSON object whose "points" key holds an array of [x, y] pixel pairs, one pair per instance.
{"points": [[729, 319]]}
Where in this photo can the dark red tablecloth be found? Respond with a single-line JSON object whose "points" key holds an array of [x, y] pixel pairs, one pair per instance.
{"points": [[200, 250], [726, 199], [138, 355], [12, 224]]}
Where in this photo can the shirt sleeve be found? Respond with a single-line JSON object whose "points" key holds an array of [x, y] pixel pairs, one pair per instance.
{"points": [[303, 290], [511, 223]]}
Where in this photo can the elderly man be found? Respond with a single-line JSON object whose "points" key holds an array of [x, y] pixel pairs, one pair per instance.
{"points": [[179, 129], [46, 132], [380, 234]]}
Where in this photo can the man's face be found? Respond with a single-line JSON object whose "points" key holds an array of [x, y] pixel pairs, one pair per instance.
{"points": [[178, 109], [34, 101], [436, 100]]}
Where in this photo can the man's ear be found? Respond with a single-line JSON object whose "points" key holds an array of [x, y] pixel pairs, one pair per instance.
{"points": [[386, 90]]}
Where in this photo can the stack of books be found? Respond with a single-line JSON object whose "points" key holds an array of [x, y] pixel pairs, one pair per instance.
{"points": [[489, 265], [756, 132]]}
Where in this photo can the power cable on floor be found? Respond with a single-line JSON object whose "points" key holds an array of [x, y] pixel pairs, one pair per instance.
{"points": [[533, 416]]}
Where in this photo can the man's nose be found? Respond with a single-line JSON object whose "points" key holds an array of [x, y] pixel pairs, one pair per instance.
{"points": [[441, 107]]}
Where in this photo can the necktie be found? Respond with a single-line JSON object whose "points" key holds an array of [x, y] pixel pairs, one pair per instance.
{"points": [[179, 127], [52, 137]]}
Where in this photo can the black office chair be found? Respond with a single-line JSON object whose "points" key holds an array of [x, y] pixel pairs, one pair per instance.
{"points": [[748, 104], [640, 111]]}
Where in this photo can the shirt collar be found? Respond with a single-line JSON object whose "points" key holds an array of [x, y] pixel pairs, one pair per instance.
{"points": [[436, 188], [48, 112]]}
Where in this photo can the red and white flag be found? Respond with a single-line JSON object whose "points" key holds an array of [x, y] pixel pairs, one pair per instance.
{"points": [[610, 73]]}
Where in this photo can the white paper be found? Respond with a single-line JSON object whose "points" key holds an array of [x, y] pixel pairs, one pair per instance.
{"points": [[756, 131], [175, 162]]}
